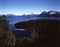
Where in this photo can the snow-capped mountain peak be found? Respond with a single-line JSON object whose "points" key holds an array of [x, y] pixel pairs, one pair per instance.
{"points": [[53, 12]]}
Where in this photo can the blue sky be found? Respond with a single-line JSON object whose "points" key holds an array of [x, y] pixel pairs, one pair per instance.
{"points": [[20, 7]]}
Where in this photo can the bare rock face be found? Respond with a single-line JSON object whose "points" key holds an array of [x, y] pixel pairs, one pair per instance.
{"points": [[7, 39]]}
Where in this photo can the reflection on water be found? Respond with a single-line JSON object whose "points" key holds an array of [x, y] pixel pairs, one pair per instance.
{"points": [[19, 33]]}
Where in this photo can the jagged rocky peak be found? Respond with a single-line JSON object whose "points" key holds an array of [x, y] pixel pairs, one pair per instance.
{"points": [[50, 14], [44, 12]]}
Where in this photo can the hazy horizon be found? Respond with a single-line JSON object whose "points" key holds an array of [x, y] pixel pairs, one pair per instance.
{"points": [[21, 7]]}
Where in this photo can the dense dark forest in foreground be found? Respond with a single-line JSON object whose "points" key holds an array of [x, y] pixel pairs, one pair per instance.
{"points": [[47, 32]]}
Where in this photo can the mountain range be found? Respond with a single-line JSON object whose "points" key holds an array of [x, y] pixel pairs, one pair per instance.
{"points": [[50, 15]]}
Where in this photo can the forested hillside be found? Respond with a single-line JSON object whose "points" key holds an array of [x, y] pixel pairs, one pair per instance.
{"points": [[47, 32]]}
